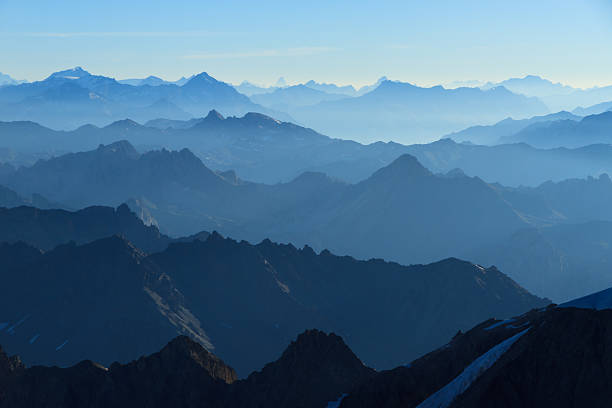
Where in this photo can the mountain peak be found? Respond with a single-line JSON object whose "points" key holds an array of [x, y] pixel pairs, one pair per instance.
{"points": [[281, 82], [120, 147], [123, 124], [259, 119], [200, 78], [214, 115], [183, 347], [315, 360], [72, 73], [405, 166]]}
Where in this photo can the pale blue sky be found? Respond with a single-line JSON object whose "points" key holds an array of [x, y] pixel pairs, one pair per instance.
{"points": [[423, 42]]}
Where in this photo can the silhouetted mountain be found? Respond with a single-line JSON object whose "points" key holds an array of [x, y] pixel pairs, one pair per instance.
{"points": [[285, 99], [499, 163], [524, 361], [410, 114], [262, 149], [182, 374], [532, 85], [103, 300], [572, 200], [152, 80], [6, 79], [348, 90], [589, 130], [284, 290], [9, 199], [594, 110], [276, 292], [527, 360], [560, 262], [555, 95], [501, 131], [314, 369], [45, 229], [257, 147], [113, 173], [185, 197], [250, 89], [74, 97]]}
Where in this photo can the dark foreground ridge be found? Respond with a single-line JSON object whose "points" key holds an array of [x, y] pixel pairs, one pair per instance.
{"points": [[315, 369], [557, 356]]}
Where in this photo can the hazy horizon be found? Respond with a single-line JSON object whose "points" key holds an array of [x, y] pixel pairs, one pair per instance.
{"points": [[424, 44]]}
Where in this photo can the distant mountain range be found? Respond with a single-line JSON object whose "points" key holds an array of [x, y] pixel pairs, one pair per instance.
{"points": [[476, 220], [570, 133], [7, 80], [184, 196], [499, 132], [562, 129], [262, 149], [153, 81], [46, 229], [594, 110], [555, 95], [288, 98], [407, 113], [532, 85], [9, 198], [71, 98], [250, 89], [135, 302]]}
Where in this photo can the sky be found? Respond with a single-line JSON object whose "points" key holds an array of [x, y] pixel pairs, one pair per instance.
{"points": [[345, 42]]}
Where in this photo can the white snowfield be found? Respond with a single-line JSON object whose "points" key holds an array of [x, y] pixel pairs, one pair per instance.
{"points": [[598, 301], [447, 394]]}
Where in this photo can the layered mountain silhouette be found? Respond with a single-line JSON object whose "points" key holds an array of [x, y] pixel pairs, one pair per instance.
{"points": [[46, 229], [527, 360], [555, 95], [262, 149], [285, 99], [590, 130], [410, 114], [594, 110], [180, 193], [184, 196], [498, 164], [331, 88], [6, 79], [9, 198], [230, 296], [74, 97], [524, 361], [403, 212], [258, 147], [506, 129], [314, 369], [560, 262], [103, 299]]}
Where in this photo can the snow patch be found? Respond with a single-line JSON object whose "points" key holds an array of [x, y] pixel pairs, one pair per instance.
{"points": [[34, 338], [11, 330], [447, 394], [502, 323], [336, 403], [61, 346]]}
